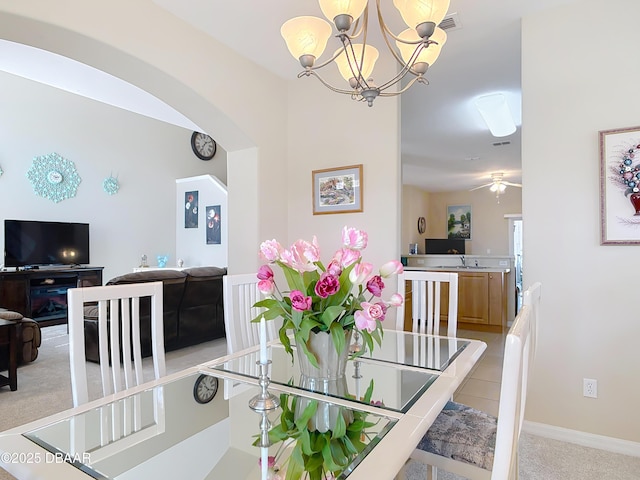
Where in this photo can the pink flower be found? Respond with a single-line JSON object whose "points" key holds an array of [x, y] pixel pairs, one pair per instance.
{"points": [[270, 250], [396, 300], [334, 268], [375, 285], [327, 285], [299, 301], [354, 238], [267, 287], [302, 255], [265, 273], [393, 267], [346, 257], [360, 273], [364, 322], [375, 311]]}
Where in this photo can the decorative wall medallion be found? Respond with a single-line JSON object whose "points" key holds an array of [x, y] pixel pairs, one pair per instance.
{"points": [[54, 177], [111, 185]]}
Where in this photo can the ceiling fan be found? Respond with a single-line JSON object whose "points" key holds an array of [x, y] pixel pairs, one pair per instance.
{"points": [[497, 185]]}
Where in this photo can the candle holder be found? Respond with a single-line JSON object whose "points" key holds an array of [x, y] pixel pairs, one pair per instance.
{"points": [[264, 401]]}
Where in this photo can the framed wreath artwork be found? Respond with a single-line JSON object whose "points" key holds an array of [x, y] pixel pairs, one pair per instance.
{"points": [[620, 186]]}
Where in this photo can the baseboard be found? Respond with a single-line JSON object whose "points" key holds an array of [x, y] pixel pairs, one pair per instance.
{"points": [[609, 444]]}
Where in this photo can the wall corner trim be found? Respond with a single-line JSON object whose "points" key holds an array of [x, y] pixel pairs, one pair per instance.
{"points": [[585, 439]]}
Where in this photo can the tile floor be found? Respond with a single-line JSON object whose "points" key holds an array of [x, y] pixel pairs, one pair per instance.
{"points": [[481, 390]]}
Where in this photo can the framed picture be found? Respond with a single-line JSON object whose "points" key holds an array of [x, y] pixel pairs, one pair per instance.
{"points": [[214, 236], [337, 190], [191, 209], [620, 186], [459, 221]]}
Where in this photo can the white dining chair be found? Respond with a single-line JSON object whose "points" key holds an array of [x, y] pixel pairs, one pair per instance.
{"points": [[472, 443], [425, 288], [118, 336], [240, 294]]}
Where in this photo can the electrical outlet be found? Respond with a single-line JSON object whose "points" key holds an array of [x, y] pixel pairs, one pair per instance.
{"points": [[590, 387]]}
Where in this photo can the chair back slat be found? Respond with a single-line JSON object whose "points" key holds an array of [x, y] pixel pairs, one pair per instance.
{"points": [[240, 294], [118, 336], [426, 294], [517, 359]]}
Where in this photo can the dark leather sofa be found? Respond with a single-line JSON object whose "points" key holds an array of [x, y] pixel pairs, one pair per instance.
{"points": [[29, 338], [193, 308]]}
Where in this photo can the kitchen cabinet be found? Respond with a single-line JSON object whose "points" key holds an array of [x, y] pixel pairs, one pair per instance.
{"points": [[483, 301]]}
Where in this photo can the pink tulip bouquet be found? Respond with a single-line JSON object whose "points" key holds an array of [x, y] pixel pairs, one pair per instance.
{"points": [[344, 295]]}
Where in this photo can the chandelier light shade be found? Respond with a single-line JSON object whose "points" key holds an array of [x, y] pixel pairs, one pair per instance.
{"points": [[426, 55], [415, 50], [306, 36], [495, 112], [363, 64], [332, 8], [415, 12]]}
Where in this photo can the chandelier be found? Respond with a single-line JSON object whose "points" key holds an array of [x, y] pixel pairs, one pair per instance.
{"points": [[416, 48]]}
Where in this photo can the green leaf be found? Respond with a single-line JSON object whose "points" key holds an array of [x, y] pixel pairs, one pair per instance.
{"points": [[340, 429], [330, 314], [293, 277], [301, 343], [295, 467], [369, 393], [337, 334], [307, 413]]}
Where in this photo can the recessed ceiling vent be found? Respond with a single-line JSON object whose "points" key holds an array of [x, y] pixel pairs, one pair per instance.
{"points": [[451, 22], [500, 144]]}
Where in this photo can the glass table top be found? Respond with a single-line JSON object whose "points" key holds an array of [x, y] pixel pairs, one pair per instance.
{"points": [[163, 433], [399, 371]]}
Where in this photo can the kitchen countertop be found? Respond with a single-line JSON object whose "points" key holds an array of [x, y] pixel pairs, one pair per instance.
{"points": [[459, 268]]}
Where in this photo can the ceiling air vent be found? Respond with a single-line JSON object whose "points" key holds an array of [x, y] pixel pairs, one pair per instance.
{"points": [[451, 22], [500, 144]]}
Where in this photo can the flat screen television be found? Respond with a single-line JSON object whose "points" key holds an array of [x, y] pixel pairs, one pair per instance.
{"points": [[30, 243]]}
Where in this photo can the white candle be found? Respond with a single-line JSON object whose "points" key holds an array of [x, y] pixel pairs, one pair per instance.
{"points": [[263, 341], [264, 460]]}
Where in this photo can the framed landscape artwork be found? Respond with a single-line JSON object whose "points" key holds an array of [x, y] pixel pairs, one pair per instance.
{"points": [[337, 190], [620, 186], [459, 221]]}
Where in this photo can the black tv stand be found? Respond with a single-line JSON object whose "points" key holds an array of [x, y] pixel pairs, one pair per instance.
{"points": [[41, 293]]}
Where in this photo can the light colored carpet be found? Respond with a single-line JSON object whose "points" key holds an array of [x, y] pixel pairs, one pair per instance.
{"points": [[44, 388]]}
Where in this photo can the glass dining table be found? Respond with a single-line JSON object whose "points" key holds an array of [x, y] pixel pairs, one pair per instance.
{"points": [[163, 429]]}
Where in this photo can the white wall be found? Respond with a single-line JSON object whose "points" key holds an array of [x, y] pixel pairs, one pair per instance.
{"points": [[579, 76], [317, 141], [191, 243], [154, 50], [144, 154], [490, 231]]}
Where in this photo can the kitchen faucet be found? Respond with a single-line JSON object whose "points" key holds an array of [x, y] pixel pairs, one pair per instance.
{"points": [[464, 264]]}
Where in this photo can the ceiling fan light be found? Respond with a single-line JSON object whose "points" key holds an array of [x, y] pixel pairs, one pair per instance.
{"points": [[498, 187], [415, 12], [495, 112], [343, 63], [306, 36], [332, 8]]}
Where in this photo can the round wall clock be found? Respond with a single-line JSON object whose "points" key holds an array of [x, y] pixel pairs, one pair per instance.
{"points": [[203, 146], [205, 388], [422, 225]]}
